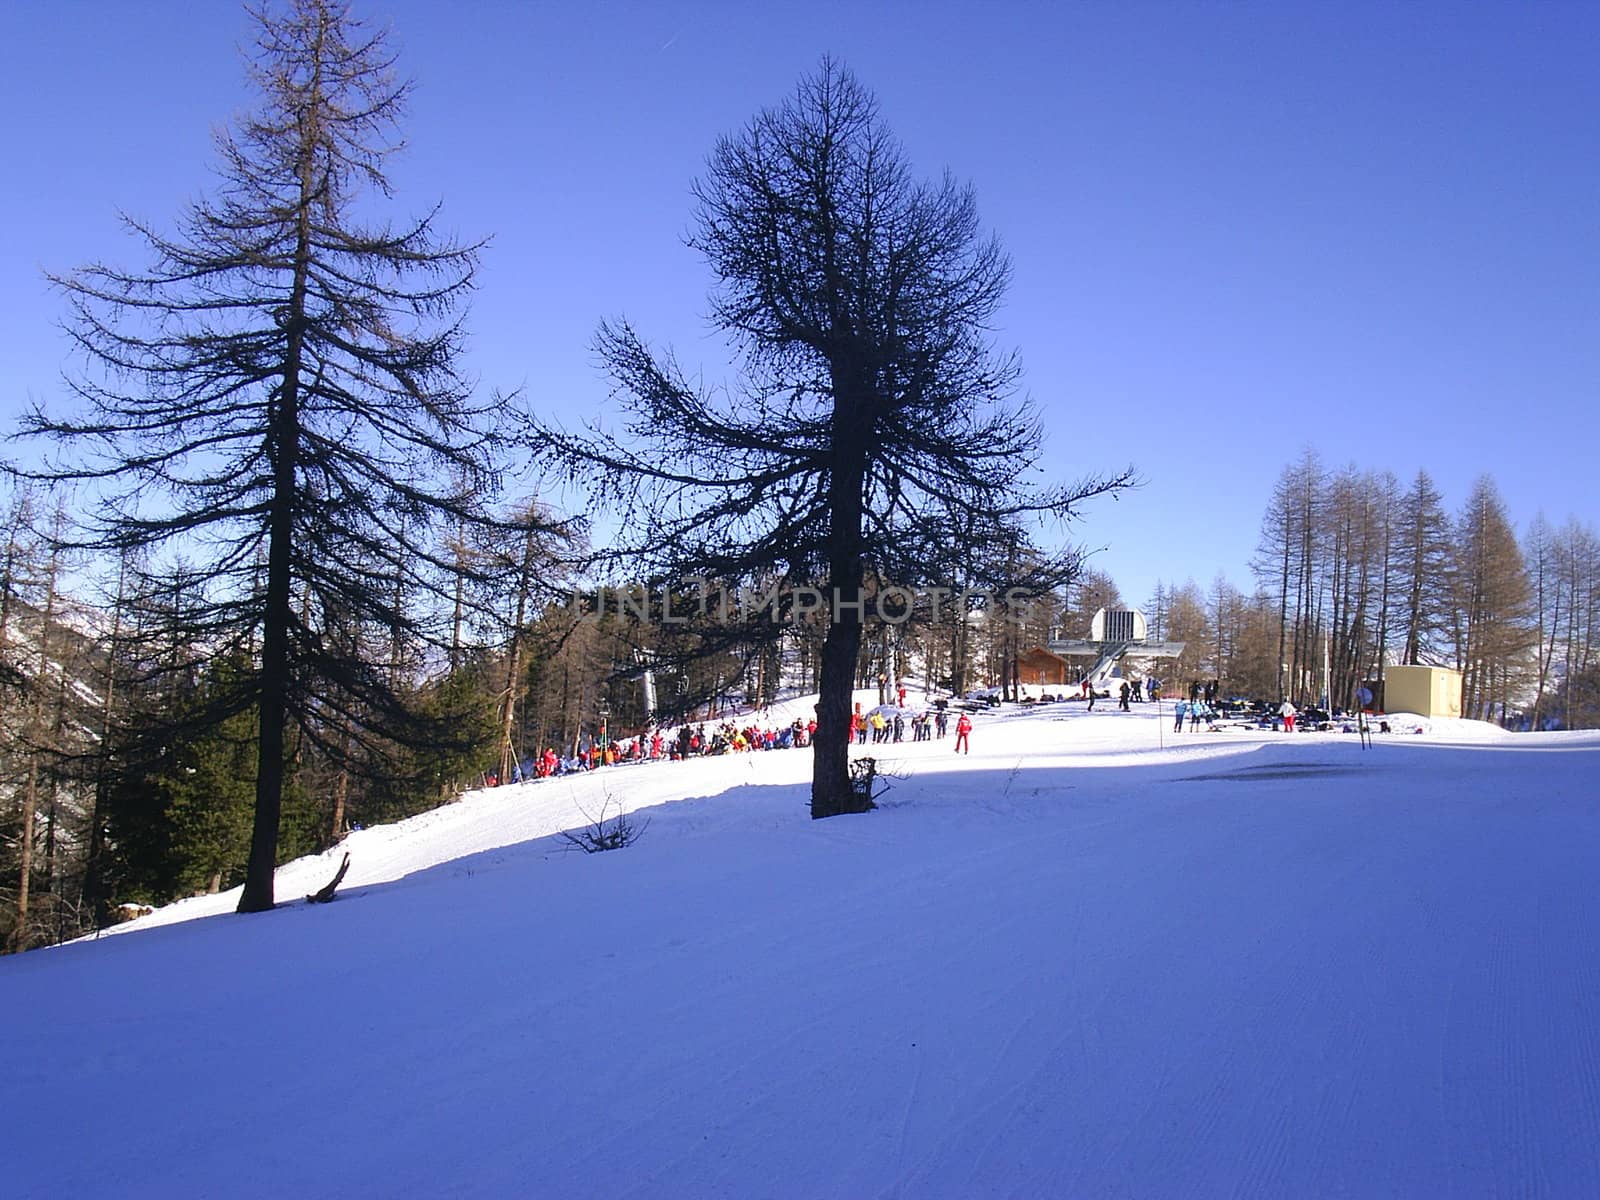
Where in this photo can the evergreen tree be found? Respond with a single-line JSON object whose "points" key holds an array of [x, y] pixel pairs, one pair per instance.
{"points": [[206, 790], [873, 415], [277, 398]]}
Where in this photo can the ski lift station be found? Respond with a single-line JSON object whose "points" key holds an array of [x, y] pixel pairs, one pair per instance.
{"points": [[1114, 634]]}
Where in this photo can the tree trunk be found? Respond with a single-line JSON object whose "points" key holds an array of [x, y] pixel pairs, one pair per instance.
{"points": [[514, 658], [30, 803], [35, 738], [831, 793], [341, 796], [94, 892], [284, 442], [459, 613], [830, 786], [257, 895]]}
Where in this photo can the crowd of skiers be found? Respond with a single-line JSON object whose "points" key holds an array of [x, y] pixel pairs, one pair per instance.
{"points": [[690, 741], [1200, 707], [1197, 712], [1137, 691], [882, 724]]}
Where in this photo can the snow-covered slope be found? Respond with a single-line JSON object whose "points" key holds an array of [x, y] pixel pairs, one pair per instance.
{"points": [[1093, 958]]}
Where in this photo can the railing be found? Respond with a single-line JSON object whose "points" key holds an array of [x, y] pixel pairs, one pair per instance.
{"points": [[1108, 659]]}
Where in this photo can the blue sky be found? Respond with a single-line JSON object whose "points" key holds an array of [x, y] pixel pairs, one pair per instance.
{"points": [[1237, 230]]}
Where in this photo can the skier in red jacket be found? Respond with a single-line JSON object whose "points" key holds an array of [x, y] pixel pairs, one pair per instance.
{"points": [[963, 727]]}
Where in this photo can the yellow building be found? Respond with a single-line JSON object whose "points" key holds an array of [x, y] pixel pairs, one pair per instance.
{"points": [[1427, 691]]}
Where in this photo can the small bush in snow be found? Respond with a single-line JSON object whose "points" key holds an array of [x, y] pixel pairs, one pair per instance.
{"points": [[605, 833]]}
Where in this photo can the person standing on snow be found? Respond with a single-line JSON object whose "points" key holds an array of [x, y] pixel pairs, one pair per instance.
{"points": [[963, 728], [1182, 709], [1287, 710]]}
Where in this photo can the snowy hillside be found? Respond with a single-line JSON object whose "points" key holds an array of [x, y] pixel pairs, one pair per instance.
{"points": [[1093, 958]]}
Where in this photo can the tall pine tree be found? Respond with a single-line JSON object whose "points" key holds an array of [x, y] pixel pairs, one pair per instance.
{"points": [[277, 397]]}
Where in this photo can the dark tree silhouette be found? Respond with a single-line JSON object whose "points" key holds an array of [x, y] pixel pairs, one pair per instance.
{"points": [[872, 409], [276, 399]]}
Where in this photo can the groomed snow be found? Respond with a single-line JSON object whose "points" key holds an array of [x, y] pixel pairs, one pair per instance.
{"points": [[1093, 958]]}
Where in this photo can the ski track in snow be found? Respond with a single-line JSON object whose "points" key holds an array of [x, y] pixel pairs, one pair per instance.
{"points": [[1093, 958]]}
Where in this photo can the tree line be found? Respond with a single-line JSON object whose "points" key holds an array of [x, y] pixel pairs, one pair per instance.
{"points": [[1355, 569], [269, 573], [128, 767]]}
